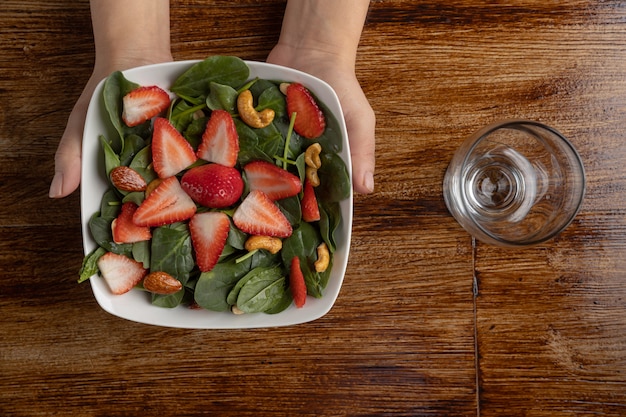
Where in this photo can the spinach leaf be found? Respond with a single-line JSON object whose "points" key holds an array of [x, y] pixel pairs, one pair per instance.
{"points": [[236, 238], [141, 253], [195, 82], [100, 224], [312, 280], [291, 209], [213, 287], [169, 300], [111, 159], [249, 149], [183, 114], [90, 264], [330, 218], [334, 179], [272, 98], [142, 163], [195, 129], [221, 97], [281, 303], [261, 291], [231, 299], [132, 145], [171, 252], [303, 242]]}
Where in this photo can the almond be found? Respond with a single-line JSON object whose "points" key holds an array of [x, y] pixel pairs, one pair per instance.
{"points": [[159, 282], [127, 179]]}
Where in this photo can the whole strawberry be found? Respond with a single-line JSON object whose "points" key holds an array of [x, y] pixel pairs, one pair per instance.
{"points": [[213, 185]]}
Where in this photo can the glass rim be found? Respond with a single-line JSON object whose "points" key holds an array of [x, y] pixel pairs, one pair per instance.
{"points": [[480, 232]]}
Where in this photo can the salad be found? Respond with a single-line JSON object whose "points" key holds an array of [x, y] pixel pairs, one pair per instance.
{"points": [[224, 191]]}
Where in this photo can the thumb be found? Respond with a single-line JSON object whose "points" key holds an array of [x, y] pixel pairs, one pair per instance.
{"points": [[361, 124], [67, 160]]}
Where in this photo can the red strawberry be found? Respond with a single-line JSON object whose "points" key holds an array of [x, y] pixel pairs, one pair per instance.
{"points": [[123, 228], [259, 215], [209, 231], [168, 203], [120, 272], [220, 142], [310, 209], [296, 283], [310, 121], [274, 181], [171, 153], [143, 104], [213, 185]]}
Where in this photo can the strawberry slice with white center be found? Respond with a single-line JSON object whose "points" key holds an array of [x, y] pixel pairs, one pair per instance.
{"points": [[274, 181], [123, 228], [220, 141], [143, 103], [209, 231], [310, 121], [120, 272], [259, 215], [171, 153], [167, 204]]}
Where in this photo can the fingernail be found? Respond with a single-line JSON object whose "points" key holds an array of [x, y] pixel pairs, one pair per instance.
{"points": [[56, 186], [369, 181]]}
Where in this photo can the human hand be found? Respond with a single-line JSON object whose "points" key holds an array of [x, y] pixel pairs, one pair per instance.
{"points": [[359, 115], [127, 33], [67, 160]]}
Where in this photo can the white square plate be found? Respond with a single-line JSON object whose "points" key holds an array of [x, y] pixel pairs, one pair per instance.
{"points": [[135, 305]]}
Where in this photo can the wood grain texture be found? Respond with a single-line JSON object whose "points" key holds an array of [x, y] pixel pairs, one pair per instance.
{"points": [[428, 321]]}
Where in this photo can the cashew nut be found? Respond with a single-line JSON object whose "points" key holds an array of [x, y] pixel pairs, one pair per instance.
{"points": [[283, 87], [236, 310], [152, 185], [248, 113], [311, 175], [271, 244], [312, 156], [323, 258]]}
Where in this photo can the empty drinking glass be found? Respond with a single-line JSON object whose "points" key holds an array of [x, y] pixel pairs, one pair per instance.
{"points": [[515, 183]]}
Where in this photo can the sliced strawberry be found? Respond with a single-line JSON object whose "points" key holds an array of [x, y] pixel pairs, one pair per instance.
{"points": [[259, 215], [120, 272], [220, 142], [274, 181], [168, 203], [310, 121], [123, 228], [209, 231], [296, 283], [143, 103], [310, 209], [171, 153], [213, 185]]}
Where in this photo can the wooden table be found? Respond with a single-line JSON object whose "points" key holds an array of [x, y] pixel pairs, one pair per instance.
{"points": [[428, 322]]}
